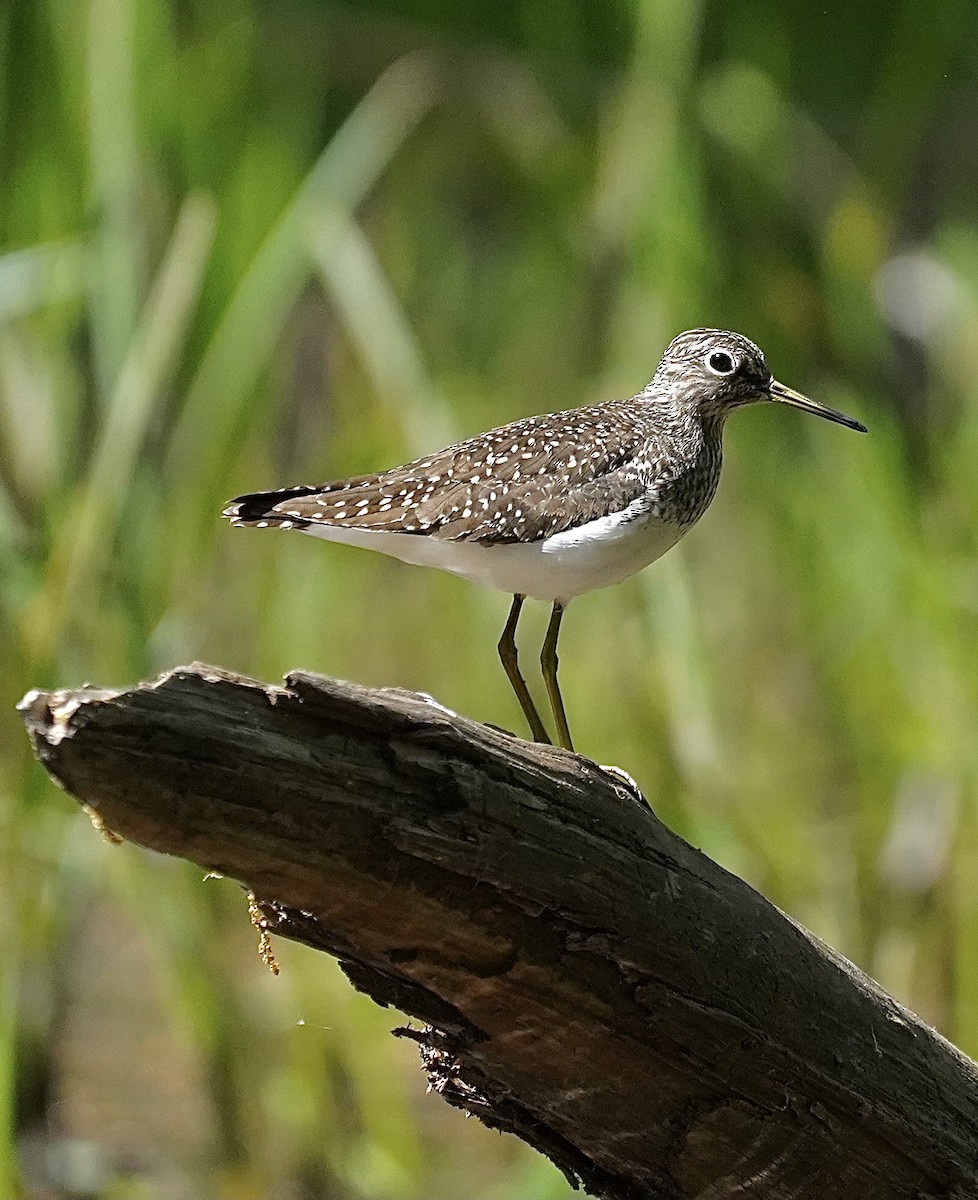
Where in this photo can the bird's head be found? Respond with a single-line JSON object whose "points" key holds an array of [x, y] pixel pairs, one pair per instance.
{"points": [[713, 372]]}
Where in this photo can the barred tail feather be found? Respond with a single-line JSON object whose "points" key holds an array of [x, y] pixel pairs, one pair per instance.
{"points": [[258, 508]]}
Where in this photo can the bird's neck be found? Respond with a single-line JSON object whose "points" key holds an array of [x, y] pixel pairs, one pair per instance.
{"points": [[687, 465], [683, 434]]}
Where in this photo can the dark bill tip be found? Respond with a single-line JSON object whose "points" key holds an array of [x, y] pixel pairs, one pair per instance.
{"points": [[787, 395]]}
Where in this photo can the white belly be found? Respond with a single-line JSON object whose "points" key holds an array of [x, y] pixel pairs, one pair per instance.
{"points": [[591, 556]]}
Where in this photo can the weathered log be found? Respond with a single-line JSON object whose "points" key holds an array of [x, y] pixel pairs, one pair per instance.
{"points": [[588, 981]]}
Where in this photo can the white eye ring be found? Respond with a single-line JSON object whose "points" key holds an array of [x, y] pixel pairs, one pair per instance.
{"points": [[721, 362]]}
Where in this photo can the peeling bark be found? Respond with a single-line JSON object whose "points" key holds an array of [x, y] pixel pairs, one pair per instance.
{"points": [[587, 980]]}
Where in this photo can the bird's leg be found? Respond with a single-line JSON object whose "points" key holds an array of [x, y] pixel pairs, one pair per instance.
{"points": [[508, 657], [548, 663]]}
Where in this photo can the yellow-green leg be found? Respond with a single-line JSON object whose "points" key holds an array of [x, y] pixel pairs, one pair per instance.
{"points": [[508, 657], [548, 663]]}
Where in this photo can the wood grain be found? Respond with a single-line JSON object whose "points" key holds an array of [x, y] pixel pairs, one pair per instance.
{"points": [[588, 981]]}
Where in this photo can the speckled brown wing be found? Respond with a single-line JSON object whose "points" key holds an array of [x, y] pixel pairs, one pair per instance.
{"points": [[521, 482]]}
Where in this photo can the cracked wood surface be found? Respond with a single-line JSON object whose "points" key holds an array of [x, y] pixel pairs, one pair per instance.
{"points": [[588, 981]]}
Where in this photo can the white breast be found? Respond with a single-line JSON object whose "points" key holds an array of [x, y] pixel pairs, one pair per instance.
{"points": [[591, 556]]}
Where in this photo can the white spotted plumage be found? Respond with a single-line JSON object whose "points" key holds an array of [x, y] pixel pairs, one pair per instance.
{"points": [[557, 568], [555, 505]]}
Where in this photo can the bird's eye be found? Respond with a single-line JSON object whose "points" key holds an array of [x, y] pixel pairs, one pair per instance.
{"points": [[721, 363]]}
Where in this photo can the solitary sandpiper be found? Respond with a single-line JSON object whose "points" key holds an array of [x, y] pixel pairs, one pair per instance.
{"points": [[556, 505]]}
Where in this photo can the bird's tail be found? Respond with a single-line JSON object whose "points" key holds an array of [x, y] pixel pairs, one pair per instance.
{"points": [[258, 508]]}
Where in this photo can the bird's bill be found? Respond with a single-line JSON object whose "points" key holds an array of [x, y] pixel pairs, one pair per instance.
{"points": [[787, 395]]}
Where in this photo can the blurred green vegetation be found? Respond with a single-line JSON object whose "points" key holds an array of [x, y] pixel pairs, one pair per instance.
{"points": [[243, 245]]}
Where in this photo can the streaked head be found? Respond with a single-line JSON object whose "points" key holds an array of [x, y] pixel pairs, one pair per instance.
{"points": [[716, 371]]}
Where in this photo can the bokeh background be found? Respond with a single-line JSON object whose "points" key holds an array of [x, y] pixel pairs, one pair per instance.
{"points": [[247, 244]]}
